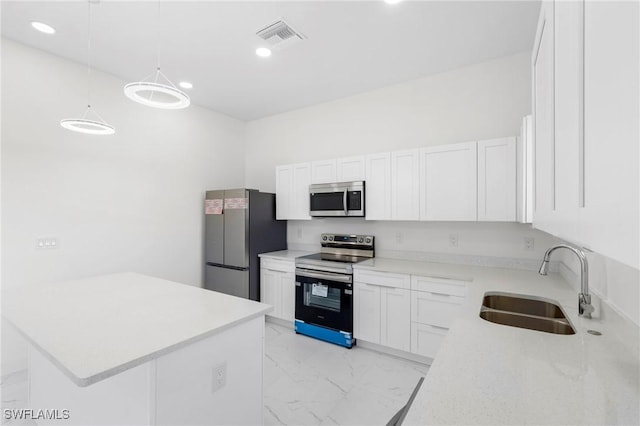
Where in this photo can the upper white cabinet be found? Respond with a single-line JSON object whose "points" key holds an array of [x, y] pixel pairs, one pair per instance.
{"points": [[497, 180], [405, 188], [585, 69], [350, 169], [323, 171], [524, 170], [292, 191], [378, 186], [448, 182]]}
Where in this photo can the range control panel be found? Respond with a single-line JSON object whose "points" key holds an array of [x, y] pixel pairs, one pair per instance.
{"points": [[346, 240]]}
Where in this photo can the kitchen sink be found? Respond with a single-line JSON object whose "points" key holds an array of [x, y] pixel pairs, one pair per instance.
{"points": [[530, 312]]}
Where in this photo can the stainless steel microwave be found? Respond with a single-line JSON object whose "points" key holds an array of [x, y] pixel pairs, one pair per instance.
{"points": [[337, 199]]}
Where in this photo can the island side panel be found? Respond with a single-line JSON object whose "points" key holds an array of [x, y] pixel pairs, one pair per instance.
{"points": [[123, 399], [190, 391]]}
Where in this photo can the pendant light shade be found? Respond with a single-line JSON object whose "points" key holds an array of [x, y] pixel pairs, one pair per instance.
{"points": [[88, 125], [156, 90], [167, 95], [91, 122]]}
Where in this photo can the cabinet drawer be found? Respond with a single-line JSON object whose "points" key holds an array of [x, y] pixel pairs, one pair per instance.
{"points": [[383, 279], [277, 265], [439, 285], [434, 309], [426, 339]]}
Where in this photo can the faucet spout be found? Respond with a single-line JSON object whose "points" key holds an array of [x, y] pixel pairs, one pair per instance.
{"points": [[584, 299]]}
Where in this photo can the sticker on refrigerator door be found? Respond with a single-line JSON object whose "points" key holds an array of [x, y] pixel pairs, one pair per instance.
{"points": [[236, 203], [319, 290], [213, 206]]}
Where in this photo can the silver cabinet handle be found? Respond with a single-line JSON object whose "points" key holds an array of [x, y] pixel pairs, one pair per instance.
{"points": [[440, 294], [439, 327]]}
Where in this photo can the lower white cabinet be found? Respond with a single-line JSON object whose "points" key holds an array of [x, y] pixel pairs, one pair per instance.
{"points": [[278, 287], [435, 304], [382, 311]]}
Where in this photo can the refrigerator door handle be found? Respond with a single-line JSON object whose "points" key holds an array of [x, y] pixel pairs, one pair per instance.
{"points": [[236, 268]]}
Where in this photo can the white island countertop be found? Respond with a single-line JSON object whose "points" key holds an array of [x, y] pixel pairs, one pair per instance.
{"points": [[486, 373], [97, 327]]}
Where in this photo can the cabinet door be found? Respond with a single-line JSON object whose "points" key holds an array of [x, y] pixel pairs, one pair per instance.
{"points": [[426, 339], [270, 290], [378, 186], [543, 117], [366, 312], [395, 320], [300, 191], [497, 180], [448, 177], [435, 308], [323, 171], [287, 295], [284, 186], [524, 169], [405, 190], [350, 169]]}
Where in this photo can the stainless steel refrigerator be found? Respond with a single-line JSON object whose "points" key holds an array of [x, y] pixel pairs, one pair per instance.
{"points": [[239, 224]]}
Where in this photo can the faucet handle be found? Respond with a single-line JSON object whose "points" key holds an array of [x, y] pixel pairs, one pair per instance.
{"points": [[585, 308]]}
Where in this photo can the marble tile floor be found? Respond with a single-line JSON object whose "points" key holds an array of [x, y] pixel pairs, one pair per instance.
{"points": [[310, 382], [306, 382]]}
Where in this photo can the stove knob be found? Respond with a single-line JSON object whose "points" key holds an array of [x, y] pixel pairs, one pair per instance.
{"points": [[360, 240], [331, 238], [324, 238], [368, 240]]}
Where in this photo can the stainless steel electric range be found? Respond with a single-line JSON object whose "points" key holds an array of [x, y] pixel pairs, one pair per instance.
{"points": [[324, 287]]}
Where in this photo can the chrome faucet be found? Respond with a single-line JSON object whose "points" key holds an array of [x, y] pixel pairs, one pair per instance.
{"points": [[584, 299]]}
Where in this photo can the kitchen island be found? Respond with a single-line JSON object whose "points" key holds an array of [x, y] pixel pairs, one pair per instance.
{"points": [[127, 349]]}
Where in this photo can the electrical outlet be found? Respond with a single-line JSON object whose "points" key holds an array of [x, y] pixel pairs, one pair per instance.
{"points": [[46, 243], [453, 240], [219, 377], [399, 238], [528, 243]]}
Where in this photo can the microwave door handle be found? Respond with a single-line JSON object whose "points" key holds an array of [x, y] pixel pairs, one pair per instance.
{"points": [[344, 202]]}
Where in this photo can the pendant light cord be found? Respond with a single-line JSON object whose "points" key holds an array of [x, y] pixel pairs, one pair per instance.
{"points": [[89, 53]]}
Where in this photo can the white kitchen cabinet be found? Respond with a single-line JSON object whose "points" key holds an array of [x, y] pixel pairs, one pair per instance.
{"points": [[382, 306], [448, 182], [278, 287], [497, 180], [292, 191], [543, 80], [586, 128], [323, 171], [524, 169], [350, 169], [435, 304], [378, 186], [395, 319], [405, 187], [366, 312]]}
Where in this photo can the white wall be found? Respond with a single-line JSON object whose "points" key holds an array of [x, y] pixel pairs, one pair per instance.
{"points": [[482, 101], [127, 202]]}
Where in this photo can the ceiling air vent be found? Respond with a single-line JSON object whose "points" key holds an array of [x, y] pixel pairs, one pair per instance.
{"points": [[279, 34]]}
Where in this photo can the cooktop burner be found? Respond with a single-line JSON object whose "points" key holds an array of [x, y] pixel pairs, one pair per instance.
{"points": [[338, 253]]}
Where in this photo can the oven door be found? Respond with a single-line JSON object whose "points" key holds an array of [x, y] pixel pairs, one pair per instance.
{"points": [[336, 199], [325, 299]]}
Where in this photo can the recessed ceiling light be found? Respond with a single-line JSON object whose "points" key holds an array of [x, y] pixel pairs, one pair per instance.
{"points": [[263, 52], [43, 28], [392, 1], [185, 85]]}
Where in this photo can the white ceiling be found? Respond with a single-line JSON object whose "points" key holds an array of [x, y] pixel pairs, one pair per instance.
{"points": [[351, 46]]}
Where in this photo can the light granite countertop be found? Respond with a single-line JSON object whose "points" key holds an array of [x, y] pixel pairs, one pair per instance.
{"points": [[486, 373], [97, 327], [285, 254]]}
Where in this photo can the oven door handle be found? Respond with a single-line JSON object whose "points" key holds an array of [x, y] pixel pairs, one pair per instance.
{"points": [[324, 276], [344, 202]]}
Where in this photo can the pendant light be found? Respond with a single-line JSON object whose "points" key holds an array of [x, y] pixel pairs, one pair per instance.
{"points": [[168, 96], [91, 122]]}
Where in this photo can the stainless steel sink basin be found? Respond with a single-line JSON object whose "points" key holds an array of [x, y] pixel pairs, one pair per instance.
{"points": [[530, 312]]}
